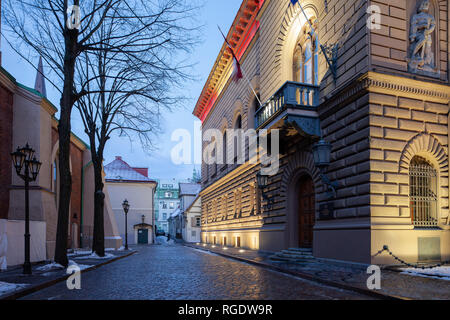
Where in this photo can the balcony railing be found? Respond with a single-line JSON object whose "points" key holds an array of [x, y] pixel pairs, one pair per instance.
{"points": [[291, 94]]}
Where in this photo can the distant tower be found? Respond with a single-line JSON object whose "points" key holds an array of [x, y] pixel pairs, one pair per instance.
{"points": [[196, 177], [39, 85]]}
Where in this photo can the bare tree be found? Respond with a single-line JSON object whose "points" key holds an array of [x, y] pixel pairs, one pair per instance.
{"points": [[126, 87], [50, 29]]}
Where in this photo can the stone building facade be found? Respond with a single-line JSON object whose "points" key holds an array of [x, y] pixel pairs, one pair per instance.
{"points": [[381, 101]]}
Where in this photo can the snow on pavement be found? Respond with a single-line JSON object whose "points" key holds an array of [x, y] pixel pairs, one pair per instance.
{"points": [[442, 273], [6, 287], [163, 240], [50, 266], [95, 256]]}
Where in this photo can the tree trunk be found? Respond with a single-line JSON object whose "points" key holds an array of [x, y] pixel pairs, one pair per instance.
{"points": [[98, 245], [64, 130]]}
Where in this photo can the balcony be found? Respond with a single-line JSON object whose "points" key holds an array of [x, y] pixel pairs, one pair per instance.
{"points": [[293, 101]]}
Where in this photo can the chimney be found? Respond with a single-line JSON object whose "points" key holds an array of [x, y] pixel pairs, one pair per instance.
{"points": [[117, 157]]}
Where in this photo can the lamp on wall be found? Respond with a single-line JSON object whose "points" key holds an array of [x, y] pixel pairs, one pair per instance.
{"points": [[322, 155], [263, 181]]}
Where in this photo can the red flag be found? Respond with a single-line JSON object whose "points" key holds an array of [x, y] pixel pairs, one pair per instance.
{"points": [[237, 71]]}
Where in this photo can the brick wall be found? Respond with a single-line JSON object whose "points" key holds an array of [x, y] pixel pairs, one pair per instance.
{"points": [[6, 118]]}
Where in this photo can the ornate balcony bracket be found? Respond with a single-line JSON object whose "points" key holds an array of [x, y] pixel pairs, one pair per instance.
{"points": [[305, 126]]}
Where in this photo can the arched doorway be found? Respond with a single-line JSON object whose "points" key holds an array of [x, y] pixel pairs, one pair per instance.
{"points": [[306, 211]]}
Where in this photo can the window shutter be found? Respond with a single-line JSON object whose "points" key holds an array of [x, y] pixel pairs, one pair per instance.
{"points": [[193, 222]]}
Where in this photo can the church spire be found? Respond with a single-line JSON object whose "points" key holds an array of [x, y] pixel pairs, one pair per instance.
{"points": [[39, 85]]}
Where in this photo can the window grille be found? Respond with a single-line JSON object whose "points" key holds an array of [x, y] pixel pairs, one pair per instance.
{"points": [[423, 193]]}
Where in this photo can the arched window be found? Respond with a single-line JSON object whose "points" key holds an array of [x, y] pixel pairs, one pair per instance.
{"points": [[224, 145], [423, 193], [237, 139], [254, 106], [306, 57]]}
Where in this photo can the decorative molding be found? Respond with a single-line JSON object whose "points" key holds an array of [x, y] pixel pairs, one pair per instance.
{"points": [[289, 16], [243, 28], [386, 84], [424, 143], [300, 160]]}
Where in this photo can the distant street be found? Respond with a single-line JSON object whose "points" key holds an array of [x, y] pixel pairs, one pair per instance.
{"points": [[177, 272]]}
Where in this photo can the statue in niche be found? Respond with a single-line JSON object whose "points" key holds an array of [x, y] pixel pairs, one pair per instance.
{"points": [[423, 25]]}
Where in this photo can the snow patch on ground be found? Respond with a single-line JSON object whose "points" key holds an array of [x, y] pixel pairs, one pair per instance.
{"points": [[206, 252], [79, 252], [163, 240], [81, 266], [441, 273], [95, 256], [122, 248], [6, 287], [50, 266]]}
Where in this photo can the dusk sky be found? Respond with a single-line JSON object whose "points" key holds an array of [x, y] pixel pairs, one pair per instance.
{"points": [[214, 13]]}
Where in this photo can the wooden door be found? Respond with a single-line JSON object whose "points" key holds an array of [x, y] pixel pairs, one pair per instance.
{"points": [[306, 212], [143, 236]]}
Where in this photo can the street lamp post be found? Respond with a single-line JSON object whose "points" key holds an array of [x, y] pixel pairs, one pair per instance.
{"points": [[126, 207], [24, 160]]}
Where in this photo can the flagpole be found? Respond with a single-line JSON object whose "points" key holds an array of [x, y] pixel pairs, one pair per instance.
{"points": [[250, 84], [246, 78]]}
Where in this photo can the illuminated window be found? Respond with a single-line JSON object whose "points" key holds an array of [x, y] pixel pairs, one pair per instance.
{"points": [[306, 58], [423, 193]]}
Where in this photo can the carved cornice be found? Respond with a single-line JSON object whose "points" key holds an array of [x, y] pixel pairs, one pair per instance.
{"points": [[389, 85], [405, 87], [239, 36]]}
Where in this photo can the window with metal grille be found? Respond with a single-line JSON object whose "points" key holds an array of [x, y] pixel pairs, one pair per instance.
{"points": [[423, 193]]}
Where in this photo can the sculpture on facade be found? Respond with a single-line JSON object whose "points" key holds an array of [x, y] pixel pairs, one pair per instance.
{"points": [[423, 25]]}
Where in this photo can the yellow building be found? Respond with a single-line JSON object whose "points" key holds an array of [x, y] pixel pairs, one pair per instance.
{"points": [[364, 83]]}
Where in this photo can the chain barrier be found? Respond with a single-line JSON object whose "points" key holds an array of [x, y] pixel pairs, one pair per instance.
{"points": [[415, 266]]}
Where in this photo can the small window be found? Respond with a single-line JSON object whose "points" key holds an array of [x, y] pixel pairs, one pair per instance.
{"points": [[224, 241], [423, 193], [194, 233], [198, 221]]}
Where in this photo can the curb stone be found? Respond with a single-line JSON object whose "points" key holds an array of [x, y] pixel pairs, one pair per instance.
{"points": [[305, 276], [26, 291]]}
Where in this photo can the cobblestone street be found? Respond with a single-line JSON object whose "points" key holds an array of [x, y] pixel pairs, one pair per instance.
{"points": [[178, 272]]}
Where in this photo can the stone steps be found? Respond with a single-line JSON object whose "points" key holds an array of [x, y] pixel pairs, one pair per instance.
{"points": [[293, 255]]}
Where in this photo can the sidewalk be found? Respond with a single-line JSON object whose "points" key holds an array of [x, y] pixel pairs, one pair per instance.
{"points": [[350, 276], [14, 284]]}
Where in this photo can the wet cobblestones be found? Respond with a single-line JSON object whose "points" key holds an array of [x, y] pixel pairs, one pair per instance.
{"points": [[177, 272]]}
